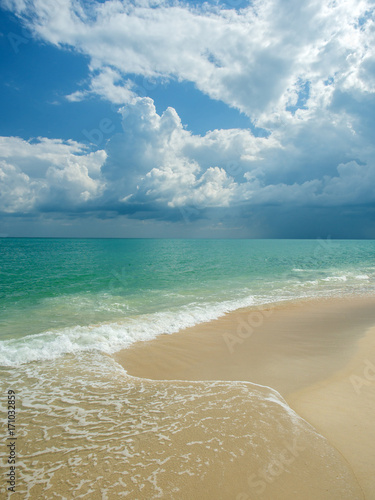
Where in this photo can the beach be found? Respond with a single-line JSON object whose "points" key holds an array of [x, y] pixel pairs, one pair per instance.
{"points": [[187, 369], [319, 355], [286, 413]]}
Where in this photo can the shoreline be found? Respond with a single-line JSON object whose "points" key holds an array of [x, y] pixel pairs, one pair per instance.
{"points": [[318, 354], [267, 345]]}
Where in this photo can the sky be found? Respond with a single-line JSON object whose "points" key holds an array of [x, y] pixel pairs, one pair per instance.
{"points": [[167, 118]]}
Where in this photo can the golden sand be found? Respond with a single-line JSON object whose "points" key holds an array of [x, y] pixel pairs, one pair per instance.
{"points": [[342, 408], [315, 353], [286, 347]]}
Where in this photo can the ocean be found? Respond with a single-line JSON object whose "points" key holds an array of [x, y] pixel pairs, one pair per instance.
{"points": [[69, 295], [86, 429]]}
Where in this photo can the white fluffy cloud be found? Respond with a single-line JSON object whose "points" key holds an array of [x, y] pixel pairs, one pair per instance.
{"points": [[108, 84], [157, 160], [256, 59], [18, 191], [48, 173]]}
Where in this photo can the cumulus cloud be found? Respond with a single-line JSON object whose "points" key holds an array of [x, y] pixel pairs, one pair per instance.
{"points": [[157, 160], [48, 173], [108, 84], [18, 191], [158, 166]]}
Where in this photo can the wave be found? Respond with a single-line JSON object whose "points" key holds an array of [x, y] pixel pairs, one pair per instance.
{"points": [[111, 337]]}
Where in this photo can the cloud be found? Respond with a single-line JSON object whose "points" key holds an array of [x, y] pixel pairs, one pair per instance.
{"points": [[18, 192], [108, 84], [253, 59], [156, 167], [156, 161], [354, 184], [36, 155], [48, 174]]}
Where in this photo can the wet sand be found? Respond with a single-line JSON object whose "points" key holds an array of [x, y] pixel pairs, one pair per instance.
{"points": [[319, 355], [90, 431]]}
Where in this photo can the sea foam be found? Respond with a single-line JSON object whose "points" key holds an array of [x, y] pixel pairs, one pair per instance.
{"points": [[111, 337]]}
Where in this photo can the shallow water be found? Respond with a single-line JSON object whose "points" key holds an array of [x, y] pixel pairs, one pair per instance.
{"points": [[87, 430]]}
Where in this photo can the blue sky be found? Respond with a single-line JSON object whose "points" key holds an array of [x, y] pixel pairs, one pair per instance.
{"points": [[157, 118]]}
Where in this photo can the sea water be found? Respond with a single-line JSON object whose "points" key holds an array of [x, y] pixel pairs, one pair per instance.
{"points": [[68, 295]]}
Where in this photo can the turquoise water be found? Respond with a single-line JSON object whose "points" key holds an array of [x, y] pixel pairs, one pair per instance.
{"points": [[69, 295]]}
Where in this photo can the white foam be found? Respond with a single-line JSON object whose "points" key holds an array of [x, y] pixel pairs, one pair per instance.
{"points": [[335, 278], [111, 337]]}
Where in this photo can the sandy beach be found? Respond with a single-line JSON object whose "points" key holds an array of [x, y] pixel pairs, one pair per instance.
{"points": [[318, 354], [271, 404]]}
